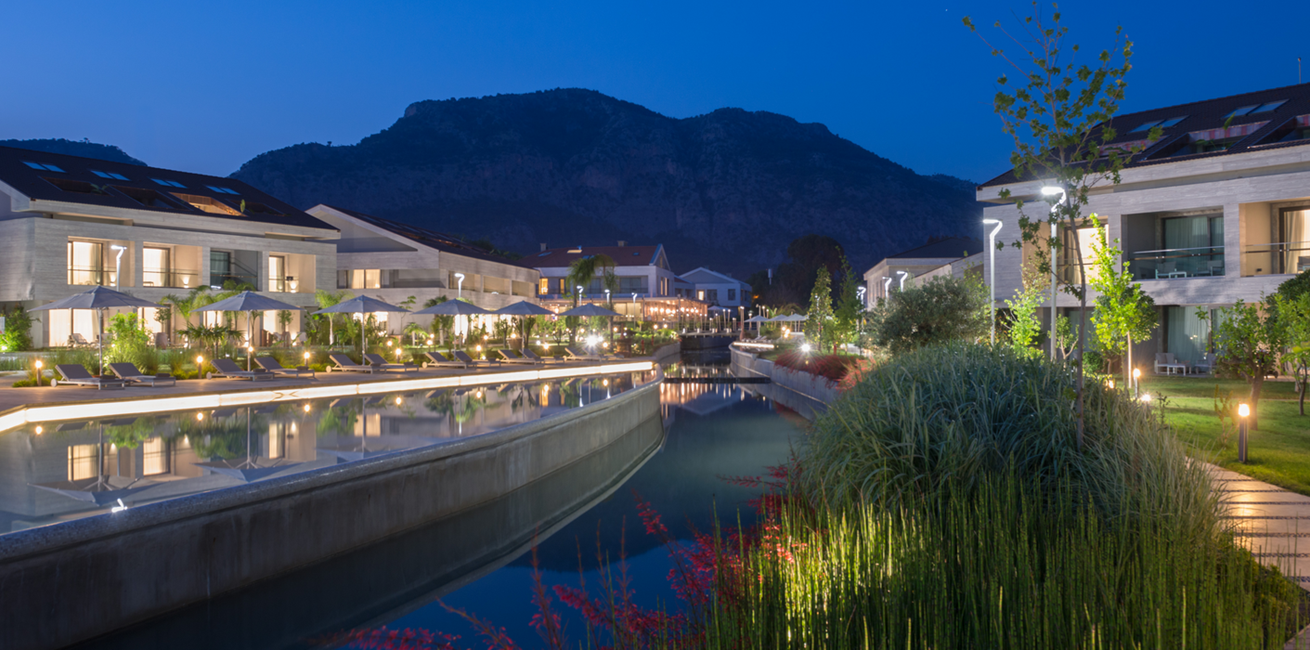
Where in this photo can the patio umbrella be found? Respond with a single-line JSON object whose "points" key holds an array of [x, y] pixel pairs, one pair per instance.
{"points": [[362, 305], [453, 308], [98, 298], [249, 301], [523, 309]]}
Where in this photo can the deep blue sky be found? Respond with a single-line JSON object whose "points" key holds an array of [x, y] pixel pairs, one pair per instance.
{"points": [[206, 86]]}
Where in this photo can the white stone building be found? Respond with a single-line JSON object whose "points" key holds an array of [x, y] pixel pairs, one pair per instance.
{"points": [[717, 289], [955, 256]]}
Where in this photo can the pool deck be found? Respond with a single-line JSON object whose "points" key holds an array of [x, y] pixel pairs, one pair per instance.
{"points": [[13, 401]]}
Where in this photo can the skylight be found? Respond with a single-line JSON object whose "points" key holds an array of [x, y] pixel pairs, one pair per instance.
{"points": [[168, 183], [1146, 126], [221, 190], [1172, 121], [47, 167], [1269, 106], [109, 175], [1243, 110]]}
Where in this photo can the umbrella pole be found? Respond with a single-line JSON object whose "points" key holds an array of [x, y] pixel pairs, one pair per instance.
{"points": [[100, 340]]}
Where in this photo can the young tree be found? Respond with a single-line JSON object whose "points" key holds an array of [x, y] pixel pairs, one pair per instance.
{"points": [[1124, 313], [1023, 324], [584, 269], [943, 310], [1249, 339], [1294, 317], [849, 308], [1059, 120], [817, 327]]}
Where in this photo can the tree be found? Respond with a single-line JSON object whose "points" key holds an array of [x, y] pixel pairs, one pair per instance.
{"points": [[326, 299], [1248, 340], [849, 308], [817, 328], [1024, 326], [1124, 313], [1059, 121], [581, 273], [942, 310], [1294, 317]]}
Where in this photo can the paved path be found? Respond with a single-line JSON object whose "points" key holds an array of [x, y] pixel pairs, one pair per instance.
{"points": [[1271, 521]]}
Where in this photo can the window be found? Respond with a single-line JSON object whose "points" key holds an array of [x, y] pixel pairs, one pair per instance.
{"points": [[148, 198], [207, 204], [155, 457], [154, 267], [1270, 106], [47, 167], [86, 263], [732, 295], [79, 187], [277, 273], [112, 175], [221, 190], [1146, 126], [1242, 111], [220, 267], [700, 295], [365, 279], [252, 207], [82, 461], [168, 183], [543, 287], [561, 286], [1173, 121], [712, 296]]}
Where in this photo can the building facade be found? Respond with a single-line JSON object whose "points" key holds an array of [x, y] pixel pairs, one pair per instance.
{"points": [[647, 288], [954, 256], [68, 223], [717, 289], [1214, 211]]}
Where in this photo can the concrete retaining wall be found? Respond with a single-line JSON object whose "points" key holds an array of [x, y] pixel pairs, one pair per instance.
{"points": [[87, 577], [814, 387], [668, 354]]}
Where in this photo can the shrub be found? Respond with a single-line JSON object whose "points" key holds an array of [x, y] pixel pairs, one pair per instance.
{"points": [[17, 336], [832, 366], [943, 310], [948, 417]]}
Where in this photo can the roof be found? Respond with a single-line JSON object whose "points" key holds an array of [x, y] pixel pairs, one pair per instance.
{"points": [[43, 176], [1273, 119], [430, 238], [945, 248], [721, 277], [622, 255]]}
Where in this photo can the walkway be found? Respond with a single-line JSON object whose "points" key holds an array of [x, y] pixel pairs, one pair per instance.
{"points": [[1274, 523]]}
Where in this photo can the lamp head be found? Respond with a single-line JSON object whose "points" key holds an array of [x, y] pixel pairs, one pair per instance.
{"points": [[1137, 373], [1243, 410], [1146, 397], [1052, 190]]}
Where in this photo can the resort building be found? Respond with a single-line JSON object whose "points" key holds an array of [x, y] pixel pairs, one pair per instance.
{"points": [[393, 262], [951, 256], [647, 288], [68, 223], [1214, 211], [717, 289]]}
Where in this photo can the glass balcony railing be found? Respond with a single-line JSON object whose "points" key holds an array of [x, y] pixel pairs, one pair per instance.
{"points": [[170, 278], [90, 276], [1276, 258], [1173, 263]]}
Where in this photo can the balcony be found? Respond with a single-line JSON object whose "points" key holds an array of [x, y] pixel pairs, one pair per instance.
{"points": [[170, 278], [90, 276], [1175, 263], [1276, 258]]}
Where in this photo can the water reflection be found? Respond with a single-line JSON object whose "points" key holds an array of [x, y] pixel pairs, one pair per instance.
{"points": [[65, 470]]}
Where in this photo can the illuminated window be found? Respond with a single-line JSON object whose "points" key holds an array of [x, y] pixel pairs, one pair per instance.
{"points": [[155, 457], [277, 273], [86, 264], [154, 267], [366, 279], [544, 286], [700, 295], [207, 204], [82, 462]]}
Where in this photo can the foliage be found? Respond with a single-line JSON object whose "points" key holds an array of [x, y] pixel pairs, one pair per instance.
{"points": [[130, 343], [849, 308], [1295, 287], [942, 310], [1294, 318], [833, 367], [794, 277], [1023, 325], [328, 335], [1248, 340], [584, 269], [1124, 312], [17, 336], [818, 327]]}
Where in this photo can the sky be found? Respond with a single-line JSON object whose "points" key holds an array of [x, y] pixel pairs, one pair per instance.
{"points": [[204, 87]]}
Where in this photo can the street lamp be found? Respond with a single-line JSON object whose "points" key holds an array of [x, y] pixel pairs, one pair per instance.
{"points": [[886, 287], [607, 296], [859, 294], [903, 275], [991, 264], [1243, 411], [459, 288], [118, 265], [1137, 387], [1052, 190]]}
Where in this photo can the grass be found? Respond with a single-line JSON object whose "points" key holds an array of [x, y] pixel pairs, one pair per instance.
{"points": [[1279, 452]]}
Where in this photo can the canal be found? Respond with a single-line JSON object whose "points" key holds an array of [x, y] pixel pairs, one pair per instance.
{"points": [[480, 560]]}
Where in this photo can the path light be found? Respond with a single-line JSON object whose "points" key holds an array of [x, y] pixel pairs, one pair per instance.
{"points": [[1243, 411], [991, 264], [399, 401], [1109, 384], [1137, 386], [307, 356], [307, 408], [389, 342], [199, 361], [200, 417], [903, 275], [1146, 398], [805, 347], [39, 430]]}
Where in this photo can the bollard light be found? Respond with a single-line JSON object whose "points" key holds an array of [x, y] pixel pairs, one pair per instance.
{"points": [[805, 347], [399, 401], [1137, 375], [307, 409], [200, 360], [307, 355], [1110, 384], [39, 429], [1243, 411], [200, 417]]}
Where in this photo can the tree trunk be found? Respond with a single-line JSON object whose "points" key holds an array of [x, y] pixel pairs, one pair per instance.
{"points": [[1302, 391], [1257, 382]]}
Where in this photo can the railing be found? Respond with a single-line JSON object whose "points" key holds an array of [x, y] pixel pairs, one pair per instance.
{"points": [[1174, 263], [90, 276], [287, 284], [219, 279], [170, 278], [1276, 258]]}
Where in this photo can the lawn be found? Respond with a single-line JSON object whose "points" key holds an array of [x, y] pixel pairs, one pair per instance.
{"points": [[1279, 452]]}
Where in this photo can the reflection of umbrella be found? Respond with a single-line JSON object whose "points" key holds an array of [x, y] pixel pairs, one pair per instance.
{"points": [[249, 301], [523, 309], [99, 490], [757, 319], [589, 309], [361, 451], [362, 305], [99, 298], [789, 318], [253, 467]]}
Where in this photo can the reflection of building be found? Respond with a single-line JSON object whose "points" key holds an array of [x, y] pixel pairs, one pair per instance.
{"points": [[646, 286], [718, 289], [950, 256], [392, 261], [1214, 211], [67, 223]]}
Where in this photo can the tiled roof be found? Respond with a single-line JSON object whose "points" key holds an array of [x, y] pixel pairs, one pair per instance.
{"points": [[122, 185], [430, 238], [622, 255], [1211, 120]]}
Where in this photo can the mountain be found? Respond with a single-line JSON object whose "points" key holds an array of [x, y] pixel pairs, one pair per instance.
{"points": [[83, 148], [728, 190]]}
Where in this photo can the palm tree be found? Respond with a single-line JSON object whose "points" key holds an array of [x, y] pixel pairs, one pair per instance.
{"points": [[327, 299], [581, 273], [184, 305]]}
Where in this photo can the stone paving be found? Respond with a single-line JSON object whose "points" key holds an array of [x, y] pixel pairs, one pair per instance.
{"points": [[1274, 523]]}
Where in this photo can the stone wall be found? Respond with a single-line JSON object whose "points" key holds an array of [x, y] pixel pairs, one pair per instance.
{"points": [[819, 391]]}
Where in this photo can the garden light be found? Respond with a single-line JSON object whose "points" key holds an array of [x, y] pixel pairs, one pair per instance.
{"points": [[991, 267], [200, 417], [399, 401], [200, 360], [307, 408], [1137, 374], [39, 430], [389, 343], [1110, 384], [1243, 411], [39, 364], [307, 355], [805, 347], [1146, 397]]}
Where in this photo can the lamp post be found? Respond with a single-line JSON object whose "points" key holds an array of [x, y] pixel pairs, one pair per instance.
{"points": [[886, 287], [903, 275], [859, 294], [1137, 387], [1052, 190], [607, 296], [1243, 411], [991, 265], [118, 265]]}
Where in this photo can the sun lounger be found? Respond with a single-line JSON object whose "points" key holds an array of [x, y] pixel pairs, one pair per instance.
{"points": [[510, 356], [228, 369], [580, 355], [436, 360], [128, 372], [529, 354], [75, 375], [344, 364], [461, 355], [380, 363], [270, 364]]}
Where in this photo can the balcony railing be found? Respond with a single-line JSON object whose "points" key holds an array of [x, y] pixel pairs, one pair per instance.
{"points": [[170, 278], [1276, 258], [90, 276], [1173, 263], [219, 279]]}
